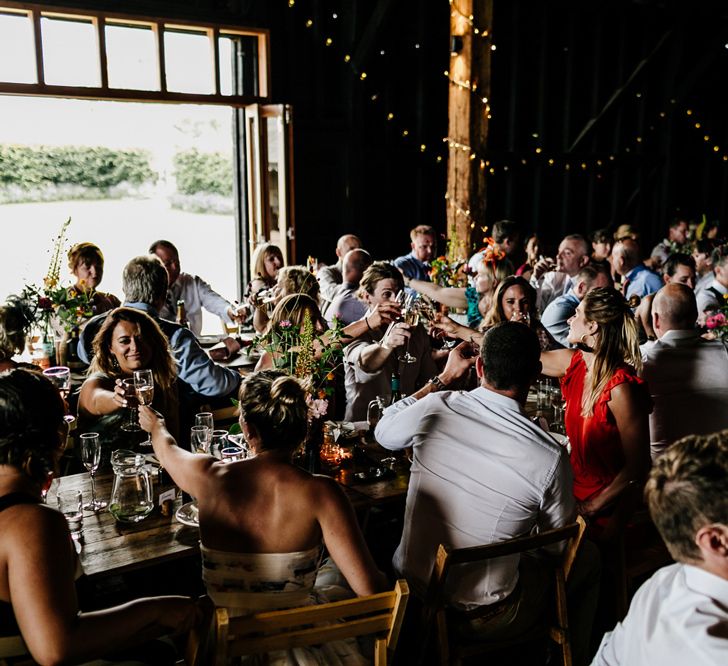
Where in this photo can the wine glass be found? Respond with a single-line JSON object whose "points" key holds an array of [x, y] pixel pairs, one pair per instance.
{"points": [[91, 457], [200, 438], [144, 390], [410, 316], [60, 377], [132, 422]]}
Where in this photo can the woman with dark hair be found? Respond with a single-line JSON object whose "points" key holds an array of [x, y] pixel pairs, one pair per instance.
{"points": [[515, 300], [128, 340], [264, 521], [14, 327], [86, 263], [607, 404], [39, 611]]}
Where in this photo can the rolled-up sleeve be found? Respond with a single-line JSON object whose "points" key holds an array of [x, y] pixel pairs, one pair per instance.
{"points": [[399, 422], [197, 369]]}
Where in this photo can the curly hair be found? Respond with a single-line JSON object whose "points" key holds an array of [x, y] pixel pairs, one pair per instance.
{"points": [[298, 280], [274, 403], [14, 327], [617, 339], [163, 366], [31, 414], [686, 491]]}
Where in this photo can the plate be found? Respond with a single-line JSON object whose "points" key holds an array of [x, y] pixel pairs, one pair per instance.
{"points": [[208, 340], [187, 514]]}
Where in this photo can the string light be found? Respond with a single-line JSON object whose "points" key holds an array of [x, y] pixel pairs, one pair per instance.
{"points": [[480, 32]]}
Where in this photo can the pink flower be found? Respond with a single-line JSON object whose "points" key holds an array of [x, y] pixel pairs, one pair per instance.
{"points": [[716, 321], [285, 324], [316, 407]]}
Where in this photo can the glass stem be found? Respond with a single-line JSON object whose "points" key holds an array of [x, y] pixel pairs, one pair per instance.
{"points": [[93, 488]]}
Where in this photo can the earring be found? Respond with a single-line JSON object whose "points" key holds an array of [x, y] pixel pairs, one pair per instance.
{"points": [[115, 363]]}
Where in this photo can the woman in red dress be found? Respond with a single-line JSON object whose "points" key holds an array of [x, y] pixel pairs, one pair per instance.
{"points": [[607, 405]]}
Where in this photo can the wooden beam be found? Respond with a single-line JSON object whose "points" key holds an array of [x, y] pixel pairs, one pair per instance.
{"points": [[467, 125]]}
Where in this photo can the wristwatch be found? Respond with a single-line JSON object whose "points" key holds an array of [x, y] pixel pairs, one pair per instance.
{"points": [[436, 382]]}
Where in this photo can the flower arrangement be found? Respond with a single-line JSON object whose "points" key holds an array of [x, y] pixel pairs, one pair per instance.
{"points": [[717, 321], [53, 307], [448, 273], [303, 353]]}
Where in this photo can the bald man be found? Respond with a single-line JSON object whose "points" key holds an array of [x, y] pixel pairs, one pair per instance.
{"points": [[637, 279], [330, 277], [686, 374], [346, 306]]}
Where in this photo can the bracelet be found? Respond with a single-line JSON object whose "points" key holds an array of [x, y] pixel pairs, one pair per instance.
{"points": [[436, 383], [366, 320]]}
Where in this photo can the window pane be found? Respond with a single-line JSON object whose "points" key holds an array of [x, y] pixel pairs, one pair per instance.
{"points": [[188, 58], [225, 46], [70, 53], [246, 63], [17, 58], [131, 57]]}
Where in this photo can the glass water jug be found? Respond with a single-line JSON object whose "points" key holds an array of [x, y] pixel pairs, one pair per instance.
{"points": [[131, 494]]}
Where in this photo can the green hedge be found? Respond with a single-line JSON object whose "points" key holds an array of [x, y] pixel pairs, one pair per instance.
{"points": [[203, 172], [28, 167]]}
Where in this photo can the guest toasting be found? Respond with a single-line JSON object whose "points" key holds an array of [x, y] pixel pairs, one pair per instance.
{"points": [[607, 405], [86, 263], [129, 340], [38, 606]]}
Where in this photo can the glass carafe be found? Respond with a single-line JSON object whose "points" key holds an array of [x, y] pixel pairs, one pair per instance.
{"points": [[131, 494]]}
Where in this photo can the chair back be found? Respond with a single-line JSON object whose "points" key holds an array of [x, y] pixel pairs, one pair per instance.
{"points": [[436, 601], [378, 614]]}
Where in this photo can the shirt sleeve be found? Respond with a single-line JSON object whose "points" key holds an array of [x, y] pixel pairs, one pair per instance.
{"points": [[211, 300], [352, 357], [559, 506], [328, 281], [607, 654], [197, 369], [399, 421]]}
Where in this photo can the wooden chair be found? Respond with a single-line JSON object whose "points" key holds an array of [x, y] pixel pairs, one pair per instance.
{"points": [[436, 613], [378, 614]]}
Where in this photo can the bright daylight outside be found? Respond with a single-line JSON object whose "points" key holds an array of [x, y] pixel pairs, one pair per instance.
{"points": [[126, 174]]}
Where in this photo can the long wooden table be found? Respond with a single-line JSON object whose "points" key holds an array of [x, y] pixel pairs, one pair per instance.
{"points": [[111, 548]]}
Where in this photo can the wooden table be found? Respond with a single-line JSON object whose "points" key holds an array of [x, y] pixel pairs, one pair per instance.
{"points": [[111, 548]]}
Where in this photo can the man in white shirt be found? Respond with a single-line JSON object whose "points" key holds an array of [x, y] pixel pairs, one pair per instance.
{"points": [[703, 256], [679, 616], [191, 289], [552, 279], [346, 305], [330, 277], [482, 472], [686, 374]]}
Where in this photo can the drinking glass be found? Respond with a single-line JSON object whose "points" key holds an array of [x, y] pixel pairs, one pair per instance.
{"points": [[200, 439], [521, 317], [205, 419], [410, 316], [70, 503], [144, 391], [91, 457], [60, 377], [232, 454], [218, 441], [132, 422], [543, 395], [374, 412]]}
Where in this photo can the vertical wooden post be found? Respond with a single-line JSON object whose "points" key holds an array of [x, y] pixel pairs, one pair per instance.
{"points": [[468, 123]]}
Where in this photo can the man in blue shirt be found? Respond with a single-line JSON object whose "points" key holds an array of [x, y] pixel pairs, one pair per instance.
{"points": [[416, 264], [637, 279]]}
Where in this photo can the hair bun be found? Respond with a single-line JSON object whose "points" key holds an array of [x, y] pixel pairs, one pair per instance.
{"points": [[287, 390]]}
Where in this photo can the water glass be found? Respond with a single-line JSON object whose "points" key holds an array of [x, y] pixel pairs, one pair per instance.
{"points": [[70, 502], [218, 441], [232, 454], [132, 423], [60, 377], [200, 438], [543, 394], [205, 419]]}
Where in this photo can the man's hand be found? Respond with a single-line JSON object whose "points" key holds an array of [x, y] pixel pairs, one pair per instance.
{"points": [[543, 265], [459, 362], [396, 336], [238, 313]]}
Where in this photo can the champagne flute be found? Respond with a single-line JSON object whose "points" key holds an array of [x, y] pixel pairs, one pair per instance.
{"points": [[200, 439], [60, 377], [410, 316], [132, 423], [91, 457], [144, 389]]}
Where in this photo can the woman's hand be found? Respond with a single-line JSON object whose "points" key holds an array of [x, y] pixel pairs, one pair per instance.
{"points": [[150, 419], [585, 508], [443, 323], [120, 394]]}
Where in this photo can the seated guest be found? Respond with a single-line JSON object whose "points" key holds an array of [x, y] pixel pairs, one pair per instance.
{"points": [[686, 374], [483, 472], [268, 556], [555, 317], [416, 264], [515, 300], [507, 237], [601, 242], [533, 251], [372, 358], [552, 278], [677, 237], [713, 296], [86, 263], [703, 256], [38, 562], [637, 279], [346, 306], [267, 261], [191, 289], [679, 269], [296, 280], [607, 407], [14, 326], [478, 298], [680, 615], [128, 340], [331, 277], [144, 282]]}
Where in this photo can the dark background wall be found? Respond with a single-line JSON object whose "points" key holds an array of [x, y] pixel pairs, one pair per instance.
{"points": [[623, 73]]}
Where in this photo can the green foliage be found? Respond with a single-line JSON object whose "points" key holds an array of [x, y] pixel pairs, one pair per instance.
{"points": [[29, 167], [203, 172]]}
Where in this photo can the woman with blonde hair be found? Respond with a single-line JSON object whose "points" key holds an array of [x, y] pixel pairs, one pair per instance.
{"points": [[267, 262], [128, 340], [607, 405], [86, 263]]}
